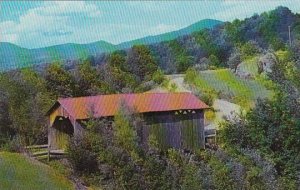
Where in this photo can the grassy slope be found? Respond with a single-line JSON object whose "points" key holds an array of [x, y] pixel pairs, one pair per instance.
{"points": [[226, 82], [18, 172], [250, 66]]}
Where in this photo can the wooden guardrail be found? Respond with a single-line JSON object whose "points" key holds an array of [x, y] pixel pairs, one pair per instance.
{"points": [[43, 150]]}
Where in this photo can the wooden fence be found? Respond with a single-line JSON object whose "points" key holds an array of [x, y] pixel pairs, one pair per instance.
{"points": [[39, 151]]}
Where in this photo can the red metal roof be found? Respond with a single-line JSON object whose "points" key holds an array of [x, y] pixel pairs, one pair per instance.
{"points": [[108, 105]]}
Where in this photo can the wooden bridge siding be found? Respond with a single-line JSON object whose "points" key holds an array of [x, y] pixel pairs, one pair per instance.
{"points": [[173, 128]]}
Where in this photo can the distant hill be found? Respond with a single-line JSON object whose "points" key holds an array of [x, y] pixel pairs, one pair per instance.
{"points": [[203, 24], [13, 56]]}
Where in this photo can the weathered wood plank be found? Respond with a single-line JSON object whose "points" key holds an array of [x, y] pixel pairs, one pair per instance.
{"points": [[37, 146]]}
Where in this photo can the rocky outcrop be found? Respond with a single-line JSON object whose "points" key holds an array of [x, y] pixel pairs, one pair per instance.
{"points": [[266, 63]]}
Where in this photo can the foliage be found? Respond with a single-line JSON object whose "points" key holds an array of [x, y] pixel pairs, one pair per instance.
{"points": [[214, 61], [234, 59], [119, 78], [183, 61], [209, 115], [250, 49], [59, 81], [87, 80], [158, 77], [25, 100], [14, 145], [140, 62], [125, 135], [271, 128], [81, 156]]}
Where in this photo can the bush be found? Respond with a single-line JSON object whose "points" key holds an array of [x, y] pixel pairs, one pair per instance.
{"points": [[209, 115], [81, 156], [13, 145], [158, 77], [190, 75], [173, 87], [125, 135], [191, 179], [207, 98]]}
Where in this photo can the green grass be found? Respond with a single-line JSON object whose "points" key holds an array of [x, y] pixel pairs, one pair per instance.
{"points": [[250, 66], [19, 172], [243, 91]]}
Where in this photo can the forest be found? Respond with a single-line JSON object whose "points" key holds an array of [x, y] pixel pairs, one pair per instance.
{"points": [[259, 149]]}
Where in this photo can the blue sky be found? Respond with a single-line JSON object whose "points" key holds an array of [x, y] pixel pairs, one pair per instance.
{"points": [[33, 24]]}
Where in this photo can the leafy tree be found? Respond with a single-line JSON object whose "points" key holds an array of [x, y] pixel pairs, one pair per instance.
{"points": [[118, 77], [183, 63], [59, 81], [214, 61], [158, 77], [27, 100], [87, 80], [234, 59], [249, 49], [234, 32], [141, 63], [125, 134]]}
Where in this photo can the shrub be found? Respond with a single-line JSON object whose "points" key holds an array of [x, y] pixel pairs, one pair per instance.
{"points": [[125, 135], [191, 178], [14, 145], [158, 76], [190, 76], [208, 98], [81, 156], [209, 115], [173, 87]]}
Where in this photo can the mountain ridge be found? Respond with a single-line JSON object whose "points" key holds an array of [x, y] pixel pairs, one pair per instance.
{"points": [[13, 56]]}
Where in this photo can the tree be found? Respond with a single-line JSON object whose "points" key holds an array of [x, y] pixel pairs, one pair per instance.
{"points": [[125, 134], [214, 61], [141, 63], [158, 77], [119, 78], [26, 102], [234, 59], [249, 49], [88, 80], [183, 62], [59, 81]]}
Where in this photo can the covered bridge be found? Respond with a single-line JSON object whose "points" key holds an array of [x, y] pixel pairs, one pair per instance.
{"points": [[175, 119]]}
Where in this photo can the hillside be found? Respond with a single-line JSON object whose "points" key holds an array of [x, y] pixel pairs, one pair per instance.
{"points": [[13, 56], [18, 172], [196, 27], [206, 42]]}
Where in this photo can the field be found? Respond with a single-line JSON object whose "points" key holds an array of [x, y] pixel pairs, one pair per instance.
{"points": [[19, 172], [250, 66], [228, 85]]}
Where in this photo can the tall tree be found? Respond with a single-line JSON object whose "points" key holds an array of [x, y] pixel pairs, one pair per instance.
{"points": [[59, 81], [88, 81], [234, 59], [141, 63]]}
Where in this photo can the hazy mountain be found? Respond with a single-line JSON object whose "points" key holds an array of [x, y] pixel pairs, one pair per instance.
{"points": [[13, 56], [203, 24]]}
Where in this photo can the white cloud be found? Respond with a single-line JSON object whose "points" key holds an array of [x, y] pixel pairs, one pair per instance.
{"points": [[51, 18], [12, 38], [69, 7]]}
